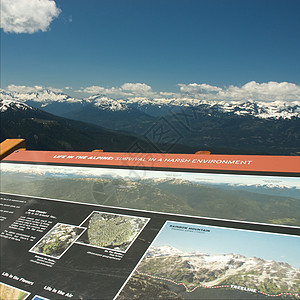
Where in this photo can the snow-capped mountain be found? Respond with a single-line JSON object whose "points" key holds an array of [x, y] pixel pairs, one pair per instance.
{"points": [[163, 251], [276, 109], [106, 103], [277, 186], [11, 105], [45, 131], [218, 269], [48, 100], [175, 181], [45, 98], [220, 127], [199, 260], [158, 106]]}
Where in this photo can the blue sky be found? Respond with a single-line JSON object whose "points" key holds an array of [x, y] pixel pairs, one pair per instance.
{"points": [[282, 248], [160, 43]]}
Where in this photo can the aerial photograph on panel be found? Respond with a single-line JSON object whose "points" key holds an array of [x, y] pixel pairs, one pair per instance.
{"points": [[188, 261], [263, 199], [112, 231], [57, 241], [12, 293]]}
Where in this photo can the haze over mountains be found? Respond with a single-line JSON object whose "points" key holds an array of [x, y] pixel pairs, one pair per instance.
{"points": [[44, 131], [165, 124]]}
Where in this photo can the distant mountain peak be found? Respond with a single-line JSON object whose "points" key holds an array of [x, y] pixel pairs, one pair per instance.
{"points": [[44, 96], [169, 180], [106, 103], [163, 251], [11, 105]]}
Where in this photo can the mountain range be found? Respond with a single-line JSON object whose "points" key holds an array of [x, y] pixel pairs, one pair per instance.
{"points": [[196, 268], [60, 104], [173, 196], [175, 125], [44, 131]]}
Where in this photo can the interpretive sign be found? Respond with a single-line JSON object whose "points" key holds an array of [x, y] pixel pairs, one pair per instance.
{"points": [[60, 249], [124, 229]]}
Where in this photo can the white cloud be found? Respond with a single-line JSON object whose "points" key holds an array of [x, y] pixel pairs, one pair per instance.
{"points": [[268, 91], [195, 88], [192, 93], [113, 91], [55, 90], [22, 89], [137, 88], [126, 90], [94, 89], [27, 16], [169, 94]]}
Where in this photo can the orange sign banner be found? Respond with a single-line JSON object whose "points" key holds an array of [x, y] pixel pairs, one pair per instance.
{"points": [[252, 163]]}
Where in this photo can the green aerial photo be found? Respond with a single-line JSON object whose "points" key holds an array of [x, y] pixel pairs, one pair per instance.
{"points": [[58, 240], [112, 231], [263, 199]]}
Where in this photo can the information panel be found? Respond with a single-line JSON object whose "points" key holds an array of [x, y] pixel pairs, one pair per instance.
{"points": [[140, 229], [54, 249]]}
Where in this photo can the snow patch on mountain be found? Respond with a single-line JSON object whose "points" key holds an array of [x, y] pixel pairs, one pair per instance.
{"points": [[259, 109], [168, 180], [11, 105], [214, 269], [106, 103], [44, 97], [278, 186], [163, 251], [264, 110]]}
